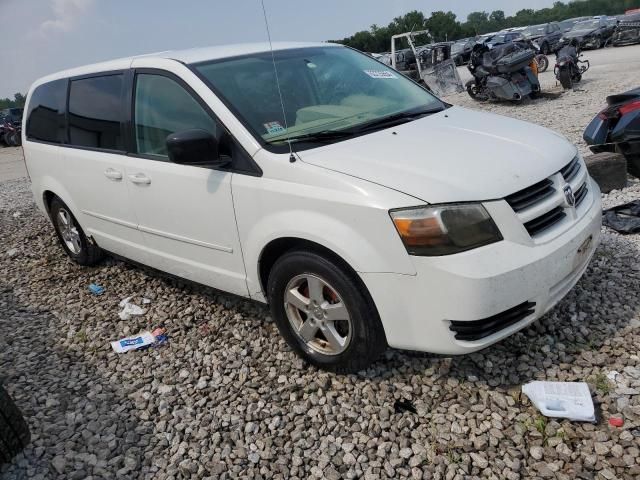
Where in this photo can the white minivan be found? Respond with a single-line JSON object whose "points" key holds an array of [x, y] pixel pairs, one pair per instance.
{"points": [[367, 212]]}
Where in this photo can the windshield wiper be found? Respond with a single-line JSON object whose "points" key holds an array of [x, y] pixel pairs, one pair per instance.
{"points": [[397, 119], [324, 135]]}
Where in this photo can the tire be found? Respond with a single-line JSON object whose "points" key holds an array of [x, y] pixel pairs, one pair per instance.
{"points": [[565, 78], [543, 63], [353, 340], [14, 432], [633, 165], [472, 90], [71, 236]]}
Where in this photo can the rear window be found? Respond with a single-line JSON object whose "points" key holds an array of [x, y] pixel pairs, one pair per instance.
{"points": [[95, 112], [45, 115]]}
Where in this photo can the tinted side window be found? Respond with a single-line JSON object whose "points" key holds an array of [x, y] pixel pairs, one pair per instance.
{"points": [[163, 107], [95, 112], [46, 113]]}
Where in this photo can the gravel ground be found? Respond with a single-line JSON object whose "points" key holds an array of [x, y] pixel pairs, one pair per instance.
{"points": [[225, 398]]}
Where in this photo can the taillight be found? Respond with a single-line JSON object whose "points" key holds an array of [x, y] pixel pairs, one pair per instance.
{"points": [[629, 107]]}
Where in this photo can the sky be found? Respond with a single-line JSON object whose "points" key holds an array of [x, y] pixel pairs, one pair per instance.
{"points": [[44, 36]]}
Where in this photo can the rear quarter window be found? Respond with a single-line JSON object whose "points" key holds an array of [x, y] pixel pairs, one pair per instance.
{"points": [[96, 113], [46, 112]]}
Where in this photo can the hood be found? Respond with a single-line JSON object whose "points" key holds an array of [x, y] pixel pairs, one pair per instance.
{"points": [[579, 33], [453, 156]]}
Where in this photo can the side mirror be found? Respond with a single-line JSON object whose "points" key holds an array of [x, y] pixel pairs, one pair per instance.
{"points": [[195, 147]]}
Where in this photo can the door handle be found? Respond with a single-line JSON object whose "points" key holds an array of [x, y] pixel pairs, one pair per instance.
{"points": [[140, 178], [113, 174]]}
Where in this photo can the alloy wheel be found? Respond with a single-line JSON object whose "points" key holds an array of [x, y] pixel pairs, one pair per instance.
{"points": [[317, 314], [69, 231]]}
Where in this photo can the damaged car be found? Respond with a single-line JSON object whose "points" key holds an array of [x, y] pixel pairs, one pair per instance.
{"points": [[628, 30], [592, 33]]}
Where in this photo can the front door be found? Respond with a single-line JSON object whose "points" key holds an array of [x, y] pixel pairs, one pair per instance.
{"points": [[185, 213]]}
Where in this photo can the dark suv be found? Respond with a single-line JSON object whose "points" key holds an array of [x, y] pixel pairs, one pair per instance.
{"points": [[546, 35]]}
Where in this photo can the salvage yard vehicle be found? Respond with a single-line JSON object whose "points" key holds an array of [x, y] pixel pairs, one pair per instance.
{"points": [[594, 33], [628, 31], [10, 124], [546, 36], [313, 191], [14, 431], [432, 66], [569, 68], [461, 50], [617, 129], [504, 72]]}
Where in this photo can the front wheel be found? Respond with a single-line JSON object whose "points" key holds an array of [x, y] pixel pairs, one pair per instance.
{"points": [[72, 238], [324, 312], [473, 90]]}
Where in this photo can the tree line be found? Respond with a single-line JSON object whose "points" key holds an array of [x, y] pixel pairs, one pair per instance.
{"points": [[445, 26], [17, 102]]}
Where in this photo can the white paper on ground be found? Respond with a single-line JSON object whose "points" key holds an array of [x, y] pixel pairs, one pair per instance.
{"points": [[133, 343], [570, 400], [129, 309]]}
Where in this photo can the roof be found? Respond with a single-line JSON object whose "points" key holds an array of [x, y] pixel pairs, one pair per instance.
{"points": [[192, 55]]}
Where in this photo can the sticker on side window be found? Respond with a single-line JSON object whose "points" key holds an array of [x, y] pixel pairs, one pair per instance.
{"points": [[274, 127], [379, 74]]}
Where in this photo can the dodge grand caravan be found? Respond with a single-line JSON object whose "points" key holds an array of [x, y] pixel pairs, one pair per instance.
{"points": [[367, 212]]}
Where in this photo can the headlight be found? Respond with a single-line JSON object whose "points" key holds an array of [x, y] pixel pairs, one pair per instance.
{"points": [[445, 229]]}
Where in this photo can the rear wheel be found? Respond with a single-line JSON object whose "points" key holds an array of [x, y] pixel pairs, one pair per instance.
{"points": [[324, 312], [543, 63], [14, 432], [565, 78], [71, 236]]}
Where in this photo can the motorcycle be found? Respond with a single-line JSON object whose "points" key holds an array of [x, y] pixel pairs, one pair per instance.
{"points": [[569, 68], [506, 72], [617, 129], [11, 134]]}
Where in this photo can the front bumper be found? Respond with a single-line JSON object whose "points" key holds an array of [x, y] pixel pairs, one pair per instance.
{"points": [[417, 311]]}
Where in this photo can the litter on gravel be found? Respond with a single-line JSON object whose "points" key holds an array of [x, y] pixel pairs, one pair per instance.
{"points": [[129, 309], [570, 400], [96, 289], [136, 342]]}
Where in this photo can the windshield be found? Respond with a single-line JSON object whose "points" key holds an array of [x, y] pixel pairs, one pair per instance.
{"points": [[534, 31], [458, 46], [16, 113], [588, 25], [323, 88]]}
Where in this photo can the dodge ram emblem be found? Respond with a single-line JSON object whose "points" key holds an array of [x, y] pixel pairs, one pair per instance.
{"points": [[569, 197]]}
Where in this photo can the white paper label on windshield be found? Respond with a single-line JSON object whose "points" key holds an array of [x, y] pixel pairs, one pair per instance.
{"points": [[379, 73], [274, 127]]}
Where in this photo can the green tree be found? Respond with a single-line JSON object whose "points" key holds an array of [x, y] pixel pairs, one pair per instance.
{"points": [[443, 26]]}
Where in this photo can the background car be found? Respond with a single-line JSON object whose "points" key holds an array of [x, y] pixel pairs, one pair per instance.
{"points": [[592, 33], [627, 31], [546, 35], [566, 25], [461, 50]]}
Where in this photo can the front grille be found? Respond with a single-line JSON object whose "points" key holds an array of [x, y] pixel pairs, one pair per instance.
{"points": [[581, 193], [542, 205], [571, 170], [544, 221], [478, 329], [531, 195]]}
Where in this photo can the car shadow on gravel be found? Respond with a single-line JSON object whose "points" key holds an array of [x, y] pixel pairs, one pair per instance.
{"points": [[75, 415]]}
